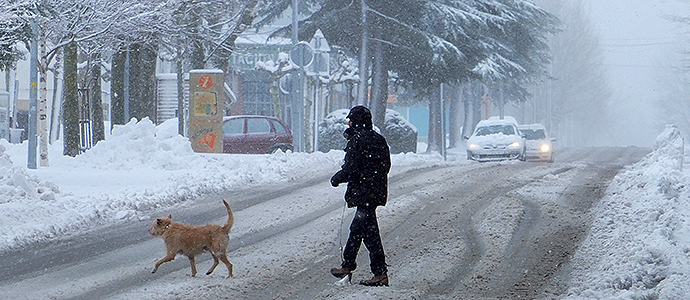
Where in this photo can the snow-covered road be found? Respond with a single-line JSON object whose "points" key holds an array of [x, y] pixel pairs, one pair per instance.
{"points": [[480, 231]]}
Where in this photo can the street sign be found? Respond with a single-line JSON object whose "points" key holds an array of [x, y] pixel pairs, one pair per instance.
{"points": [[320, 65], [284, 83], [302, 54], [205, 81]]}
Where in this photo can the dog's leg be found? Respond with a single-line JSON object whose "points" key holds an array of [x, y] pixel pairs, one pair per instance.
{"points": [[224, 259], [167, 258], [215, 264], [191, 261]]}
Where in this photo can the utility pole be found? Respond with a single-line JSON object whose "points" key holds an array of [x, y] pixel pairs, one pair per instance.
{"points": [[363, 66], [297, 105]]}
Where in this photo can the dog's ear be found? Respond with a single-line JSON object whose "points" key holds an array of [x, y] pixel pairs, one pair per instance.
{"points": [[169, 216]]}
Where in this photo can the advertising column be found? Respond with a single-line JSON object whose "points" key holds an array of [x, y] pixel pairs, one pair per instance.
{"points": [[206, 110]]}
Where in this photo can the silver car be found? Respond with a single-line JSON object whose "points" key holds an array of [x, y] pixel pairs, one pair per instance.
{"points": [[538, 144], [496, 139]]}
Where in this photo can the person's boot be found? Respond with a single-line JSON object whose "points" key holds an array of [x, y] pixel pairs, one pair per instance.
{"points": [[378, 280], [341, 272]]}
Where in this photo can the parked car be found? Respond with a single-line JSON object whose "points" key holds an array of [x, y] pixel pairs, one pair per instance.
{"points": [[255, 135], [538, 144], [496, 139]]}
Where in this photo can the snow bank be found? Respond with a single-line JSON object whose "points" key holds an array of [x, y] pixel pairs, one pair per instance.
{"points": [[639, 244]]}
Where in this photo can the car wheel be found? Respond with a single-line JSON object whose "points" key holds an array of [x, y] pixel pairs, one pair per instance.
{"points": [[523, 156]]}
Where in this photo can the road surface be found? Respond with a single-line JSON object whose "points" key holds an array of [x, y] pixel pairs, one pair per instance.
{"points": [[499, 230]]}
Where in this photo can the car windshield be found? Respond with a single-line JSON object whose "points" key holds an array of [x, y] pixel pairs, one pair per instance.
{"points": [[495, 129], [534, 134]]}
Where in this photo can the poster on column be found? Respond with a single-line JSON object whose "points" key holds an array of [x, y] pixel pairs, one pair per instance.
{"points": [[206, 110]]}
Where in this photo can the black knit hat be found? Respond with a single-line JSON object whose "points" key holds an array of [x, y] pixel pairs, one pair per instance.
{"points": [[360, 116]]}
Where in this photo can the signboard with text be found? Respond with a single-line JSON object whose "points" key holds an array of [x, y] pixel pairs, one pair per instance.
{"points": [[245, 56], [206, 110]]}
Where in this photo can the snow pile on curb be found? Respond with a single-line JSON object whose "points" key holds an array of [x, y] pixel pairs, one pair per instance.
{"points": [[639, 243], [140, 144], [15, 183]]}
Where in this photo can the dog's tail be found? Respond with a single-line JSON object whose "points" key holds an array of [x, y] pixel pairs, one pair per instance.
{"points": [[231, 218]]}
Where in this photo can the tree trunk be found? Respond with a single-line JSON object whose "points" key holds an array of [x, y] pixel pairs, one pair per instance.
{"points": [[96, 100], [142, 89], [117, 89], [379, 88], [7, 78], [197, 59], [71, 103], [55, 116], [477, 95], [467, 126], [434, 137], [43, 102], [455, 116]]}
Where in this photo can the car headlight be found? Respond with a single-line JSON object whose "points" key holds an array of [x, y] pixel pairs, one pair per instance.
{"points": [[545, 148], [514, 145], [473, 146]]}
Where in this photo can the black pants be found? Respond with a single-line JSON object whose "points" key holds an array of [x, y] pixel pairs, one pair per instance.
{"points": [[365, 227]]}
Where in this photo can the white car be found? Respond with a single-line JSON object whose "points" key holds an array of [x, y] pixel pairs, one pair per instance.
{"points": [[496, 139], [538, 144]]}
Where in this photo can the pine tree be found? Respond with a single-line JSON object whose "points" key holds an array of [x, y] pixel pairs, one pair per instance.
{"points": [[426, 43]]}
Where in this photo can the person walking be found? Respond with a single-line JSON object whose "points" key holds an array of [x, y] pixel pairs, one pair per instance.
{"points": [[365, 169]]}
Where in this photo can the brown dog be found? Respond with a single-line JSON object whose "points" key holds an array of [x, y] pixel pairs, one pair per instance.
{"points": [[194, 240]]}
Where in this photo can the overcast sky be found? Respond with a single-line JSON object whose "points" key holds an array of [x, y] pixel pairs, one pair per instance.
{"points": [[638, 44]]}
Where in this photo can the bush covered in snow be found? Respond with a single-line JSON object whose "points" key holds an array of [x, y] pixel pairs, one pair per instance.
{"points": [[331, 131], [400, 134]]}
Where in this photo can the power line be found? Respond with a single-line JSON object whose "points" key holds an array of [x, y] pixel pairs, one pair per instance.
{"points": [[637, 45], [635, 66]]}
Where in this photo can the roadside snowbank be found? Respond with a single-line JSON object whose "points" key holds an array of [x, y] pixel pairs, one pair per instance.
{"points": [[639, 243]]}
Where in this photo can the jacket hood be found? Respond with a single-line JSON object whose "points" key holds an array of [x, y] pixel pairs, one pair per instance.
{"points": [[360, 116]]}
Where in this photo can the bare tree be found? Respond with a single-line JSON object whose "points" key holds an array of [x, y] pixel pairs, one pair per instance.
{"points": [[573, 101], [674, 101], [61, 23], [193, 34]]}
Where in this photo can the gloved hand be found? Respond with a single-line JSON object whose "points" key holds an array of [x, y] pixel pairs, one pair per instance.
{"points": [[337, 178]]}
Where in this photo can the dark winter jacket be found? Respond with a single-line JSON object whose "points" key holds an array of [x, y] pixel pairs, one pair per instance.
{"points": [[367, 162]]}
